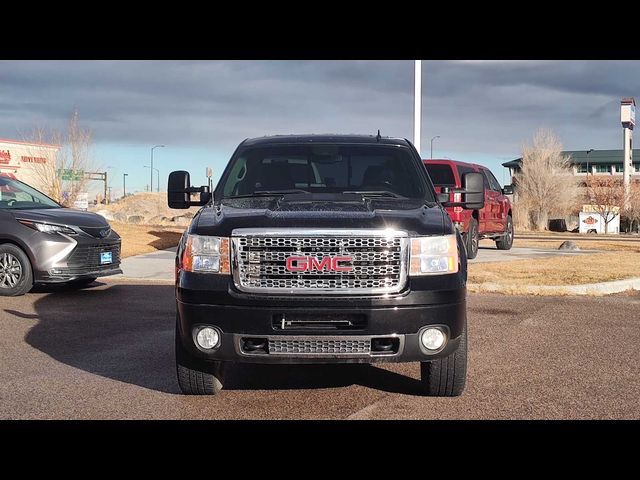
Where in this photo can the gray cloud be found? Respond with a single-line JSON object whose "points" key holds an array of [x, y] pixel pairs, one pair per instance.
{"points": [[489, 107]]}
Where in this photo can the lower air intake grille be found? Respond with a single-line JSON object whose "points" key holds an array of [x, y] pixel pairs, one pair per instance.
{"points": [[320, 346]]}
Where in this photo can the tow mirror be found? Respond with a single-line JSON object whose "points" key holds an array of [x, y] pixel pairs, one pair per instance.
{"points": [[179, 191], [507, 190], [472, 193]]}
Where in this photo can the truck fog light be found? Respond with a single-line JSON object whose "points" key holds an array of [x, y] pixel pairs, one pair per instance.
{"points": [[433, 338], [208, 338]]}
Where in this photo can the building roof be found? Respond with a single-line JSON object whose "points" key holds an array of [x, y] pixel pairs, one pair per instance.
{"points": [[579, 157], [35, 144], [324, 138]]}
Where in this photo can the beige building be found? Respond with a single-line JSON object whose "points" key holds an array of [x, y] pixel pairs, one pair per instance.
{"points": [[23, 160]]}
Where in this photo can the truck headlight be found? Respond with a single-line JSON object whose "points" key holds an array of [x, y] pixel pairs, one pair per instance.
{"points": [[434, 255], [206, 254]]}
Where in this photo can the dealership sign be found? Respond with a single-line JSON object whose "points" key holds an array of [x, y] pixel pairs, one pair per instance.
{"points": [[5, 157]]}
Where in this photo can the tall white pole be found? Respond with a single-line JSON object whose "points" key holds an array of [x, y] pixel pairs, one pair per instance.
{"points": [[417, 107]]}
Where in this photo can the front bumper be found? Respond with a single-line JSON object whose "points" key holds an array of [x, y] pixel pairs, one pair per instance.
{"points": [[64, 258], [399, 325]]}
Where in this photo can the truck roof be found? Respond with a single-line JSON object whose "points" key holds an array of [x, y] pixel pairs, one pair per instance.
{"points": [[325, 138]]}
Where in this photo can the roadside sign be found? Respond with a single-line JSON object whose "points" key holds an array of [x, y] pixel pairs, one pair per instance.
{"points": [[71, 175], [82, 201]]}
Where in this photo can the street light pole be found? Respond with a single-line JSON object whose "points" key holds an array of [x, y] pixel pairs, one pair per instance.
{"points": [[124, 184], [437, 136], [588, 152], [151, 184], [417, 107]]}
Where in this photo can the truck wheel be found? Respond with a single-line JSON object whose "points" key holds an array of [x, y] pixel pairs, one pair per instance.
{"points": [[446, 377], [472, 239], [16, 277], [505, 242], [197, 378]]}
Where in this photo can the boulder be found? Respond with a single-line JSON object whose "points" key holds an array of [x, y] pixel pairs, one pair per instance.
{"points": [[135, 219], [568, 245]]}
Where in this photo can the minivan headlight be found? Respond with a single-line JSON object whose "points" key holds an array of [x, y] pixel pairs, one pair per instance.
{"points": [[205, 254], [434, 255], [47, 227]]}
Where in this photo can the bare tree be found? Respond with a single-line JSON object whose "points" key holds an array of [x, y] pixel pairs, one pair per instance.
{"points": [[632, 210], [74, 156], [607, 196], [545, 186]]}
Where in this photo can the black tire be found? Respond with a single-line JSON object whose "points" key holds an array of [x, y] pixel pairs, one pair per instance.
{"points": [[447, 376], [82, 282], [16, 275], [472, 239], [505, 242], [194, 377]]}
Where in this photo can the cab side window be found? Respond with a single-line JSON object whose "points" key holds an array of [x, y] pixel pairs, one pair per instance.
{"points": [[491, 182]]}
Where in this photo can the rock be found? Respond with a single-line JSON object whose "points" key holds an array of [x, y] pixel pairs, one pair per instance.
{"points": [[106, 214], [568, 245], [135, 219]]}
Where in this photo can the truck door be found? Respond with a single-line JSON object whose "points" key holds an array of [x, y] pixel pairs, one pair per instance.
{"points": [[494, 197]]}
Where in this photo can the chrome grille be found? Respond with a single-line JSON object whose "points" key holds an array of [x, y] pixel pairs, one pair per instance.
{"points": [[378, 261], [320, 346]]}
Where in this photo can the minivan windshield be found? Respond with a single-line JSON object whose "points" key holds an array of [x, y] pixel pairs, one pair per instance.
{"points": [[369, 170], [17, 195]]}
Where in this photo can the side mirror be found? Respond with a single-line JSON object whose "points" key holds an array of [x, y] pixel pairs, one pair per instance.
{"points": [[507, 190], [473, 191], [179, 191]]}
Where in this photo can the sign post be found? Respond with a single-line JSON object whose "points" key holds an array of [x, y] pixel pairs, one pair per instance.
{"points": [[628, 120]]}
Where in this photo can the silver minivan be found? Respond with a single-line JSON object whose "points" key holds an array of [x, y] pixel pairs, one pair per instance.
{"points": [[43, 242]]}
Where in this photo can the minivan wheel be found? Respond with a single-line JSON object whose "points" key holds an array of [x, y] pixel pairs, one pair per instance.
{"points": [[195, 377], [16, 277], [506, 241], [447, 376], [472, 239]]}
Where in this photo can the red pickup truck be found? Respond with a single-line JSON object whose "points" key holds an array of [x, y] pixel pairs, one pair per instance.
{"points": [[494, 221]]}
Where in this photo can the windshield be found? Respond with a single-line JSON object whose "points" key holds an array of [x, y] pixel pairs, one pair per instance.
{"points": [[372, 170], [15, 195]]}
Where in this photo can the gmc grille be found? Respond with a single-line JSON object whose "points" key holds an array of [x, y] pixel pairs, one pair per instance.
{"points": [[377, 266]]}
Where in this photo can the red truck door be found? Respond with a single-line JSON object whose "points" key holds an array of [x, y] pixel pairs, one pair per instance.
{"points": [[494, 203]]}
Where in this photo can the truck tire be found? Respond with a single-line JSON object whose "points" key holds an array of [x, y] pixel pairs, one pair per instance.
{"points": [[197, 378], [472, 239], [447, 376], [505, 242], [16, 276]]}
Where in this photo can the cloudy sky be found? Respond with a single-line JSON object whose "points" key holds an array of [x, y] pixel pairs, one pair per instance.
{"points": [[201, 110]]}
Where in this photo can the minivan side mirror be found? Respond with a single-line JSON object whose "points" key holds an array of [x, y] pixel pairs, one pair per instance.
{"points": [[507, 190], [472, 193], [179, 191]]}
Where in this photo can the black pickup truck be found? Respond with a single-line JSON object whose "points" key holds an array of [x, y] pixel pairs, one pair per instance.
{"points": [[321, 249]]}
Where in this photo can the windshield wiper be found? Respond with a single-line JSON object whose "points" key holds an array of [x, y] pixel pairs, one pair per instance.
{"points": [[375, 193], [269, 193]]}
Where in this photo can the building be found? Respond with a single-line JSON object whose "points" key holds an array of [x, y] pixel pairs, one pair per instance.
{"points": [[23, 160], [598, 162]]}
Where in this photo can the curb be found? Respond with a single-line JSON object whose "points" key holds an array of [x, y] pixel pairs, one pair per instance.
{"points": [[595, 289]]}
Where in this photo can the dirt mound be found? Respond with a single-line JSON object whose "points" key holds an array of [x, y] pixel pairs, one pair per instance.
{"points": [[145, 209]]}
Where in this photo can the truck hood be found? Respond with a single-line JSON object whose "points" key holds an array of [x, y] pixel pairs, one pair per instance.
{"points": [[62, 216], [322, 211]]}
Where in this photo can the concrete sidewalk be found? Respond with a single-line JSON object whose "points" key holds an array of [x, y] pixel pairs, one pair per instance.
{"points": [[492, 254], [158, 265]]}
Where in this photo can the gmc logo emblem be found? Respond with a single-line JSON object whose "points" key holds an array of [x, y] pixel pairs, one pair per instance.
{"points": [[310, 264]]}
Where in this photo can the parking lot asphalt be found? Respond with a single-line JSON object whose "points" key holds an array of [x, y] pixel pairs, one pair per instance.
{"points": [[106, 352]]}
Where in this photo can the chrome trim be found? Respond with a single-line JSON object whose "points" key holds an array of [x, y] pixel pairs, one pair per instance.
{"points": [[316, 232], [238, 339], [303, 232]]}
